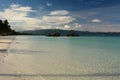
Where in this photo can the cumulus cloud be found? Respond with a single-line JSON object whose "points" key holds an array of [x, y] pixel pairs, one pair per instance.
{"points": [[66, 27], [59, 12], [48, 4], [75, 26], [96, 20], [19, 18], [17, 7], [57, 20]]}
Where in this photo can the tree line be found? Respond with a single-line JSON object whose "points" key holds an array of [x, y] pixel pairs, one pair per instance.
{"points": [[5, 28]]}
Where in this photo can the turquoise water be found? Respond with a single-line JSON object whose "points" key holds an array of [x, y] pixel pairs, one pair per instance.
{"points": [[69, 58]]}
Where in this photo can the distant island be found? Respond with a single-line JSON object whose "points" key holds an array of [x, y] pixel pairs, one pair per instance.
{"points": [[68, 33]]}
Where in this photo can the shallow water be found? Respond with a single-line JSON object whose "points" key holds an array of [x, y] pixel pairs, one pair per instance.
{"points": [[67, 58]]}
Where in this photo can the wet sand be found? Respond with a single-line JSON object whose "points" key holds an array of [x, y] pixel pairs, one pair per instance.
{"points": [[5, 67]]}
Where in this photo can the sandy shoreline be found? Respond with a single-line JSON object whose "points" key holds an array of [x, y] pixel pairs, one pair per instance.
{"points": [[5, 42], [11, 67], [5, 68]]}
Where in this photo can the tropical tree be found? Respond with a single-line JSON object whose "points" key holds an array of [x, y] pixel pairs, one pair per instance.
{"points": [[5, 28]]}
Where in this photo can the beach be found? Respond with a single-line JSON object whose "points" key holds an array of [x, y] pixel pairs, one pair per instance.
{"points": [[5, 68], [11, 67], [5, 42]]}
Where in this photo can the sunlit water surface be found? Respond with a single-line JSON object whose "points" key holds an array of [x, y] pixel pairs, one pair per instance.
{"points": [[67, 58]]}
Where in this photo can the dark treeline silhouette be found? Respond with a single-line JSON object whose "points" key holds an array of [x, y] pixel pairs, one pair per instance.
{"points": [[69, 33], [54, 33], [5, 28]]}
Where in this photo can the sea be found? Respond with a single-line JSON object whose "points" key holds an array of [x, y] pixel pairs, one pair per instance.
{"points": [[67, 58]]}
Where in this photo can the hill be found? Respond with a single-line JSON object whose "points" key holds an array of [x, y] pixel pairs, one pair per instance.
{"points": [[52, 32]]}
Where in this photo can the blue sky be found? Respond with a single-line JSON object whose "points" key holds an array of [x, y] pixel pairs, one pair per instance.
{"points": [[91, 15]]}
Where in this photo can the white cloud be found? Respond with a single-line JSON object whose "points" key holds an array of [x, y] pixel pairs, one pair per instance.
{"points": [[48, 4], [17, 7], [77, 25], [19, 18], [58, 20], [96, 20], [66, 27], [59, 12]]}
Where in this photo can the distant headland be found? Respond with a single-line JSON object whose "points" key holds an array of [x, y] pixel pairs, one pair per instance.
{"points": [[69, 33]]}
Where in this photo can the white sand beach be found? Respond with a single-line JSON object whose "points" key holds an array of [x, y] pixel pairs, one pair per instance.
{"points": [[5, 41], [11, 67], [5, 67]]}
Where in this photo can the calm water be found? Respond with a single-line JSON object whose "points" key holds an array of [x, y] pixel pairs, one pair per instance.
{"points": [[68, 58]]}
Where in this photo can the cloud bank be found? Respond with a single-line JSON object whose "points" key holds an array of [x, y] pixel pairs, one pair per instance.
{"points": [[19, 18], [26, 18]]}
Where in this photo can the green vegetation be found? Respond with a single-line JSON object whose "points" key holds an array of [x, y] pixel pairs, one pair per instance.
{"points": [[57, 33], [72, 33], [5, 28], [68, 33], [54, 33]]}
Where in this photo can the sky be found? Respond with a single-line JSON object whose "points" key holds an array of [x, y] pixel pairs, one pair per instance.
{"points": [[85, 15]]}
